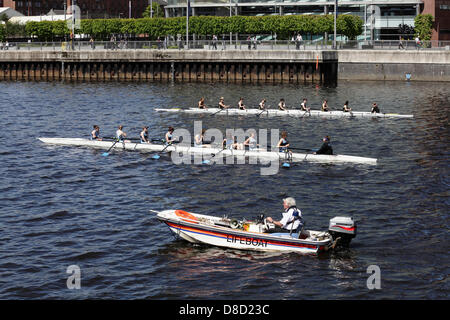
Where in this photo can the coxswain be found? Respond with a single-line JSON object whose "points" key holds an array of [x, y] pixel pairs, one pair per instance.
{"points": [[291, 220], [199, 140], [325, 107], [346, 108], [303, 105], [169, 136], [251, 142], [375, 108], [326, 146], [201, 103], [144, 135], [95, 134], [120, 134], [222, 104], [262, 104], [241, 104], [283, 144], [282, 105]]}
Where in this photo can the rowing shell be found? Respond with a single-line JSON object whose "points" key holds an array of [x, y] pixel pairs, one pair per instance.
{"points": [[292, 113], [260, 154]]}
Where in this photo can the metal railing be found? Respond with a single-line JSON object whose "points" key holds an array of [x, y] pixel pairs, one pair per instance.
{"points": [[225, 45]]}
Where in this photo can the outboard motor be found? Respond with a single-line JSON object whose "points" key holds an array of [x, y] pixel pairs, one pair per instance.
{"points": [[343, 228]]}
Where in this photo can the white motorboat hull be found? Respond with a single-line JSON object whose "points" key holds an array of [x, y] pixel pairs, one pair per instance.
{"points": [[211, 231]]}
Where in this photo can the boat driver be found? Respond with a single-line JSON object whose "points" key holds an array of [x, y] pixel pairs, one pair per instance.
{"points": [[292, 218]]}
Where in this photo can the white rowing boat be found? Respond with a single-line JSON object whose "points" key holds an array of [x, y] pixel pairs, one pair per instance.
{"points": [[292, 113], [209, 153], [253, 235]]}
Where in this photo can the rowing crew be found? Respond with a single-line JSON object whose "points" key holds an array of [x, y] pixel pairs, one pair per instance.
{"points": [[282, 105], [121, 136], [230, 142]]}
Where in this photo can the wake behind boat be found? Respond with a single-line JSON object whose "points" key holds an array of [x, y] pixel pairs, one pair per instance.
{"points": [[211, 154], [251, 235], [292, 113]]}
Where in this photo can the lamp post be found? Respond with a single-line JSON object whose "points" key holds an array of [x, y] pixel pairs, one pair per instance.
{"points": [[335, 18], [231, 34], [188, 6], [73, 23], [65, 20]]}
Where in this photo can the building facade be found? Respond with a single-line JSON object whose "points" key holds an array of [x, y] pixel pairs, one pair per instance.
{"points": [[440, 10], [89, 8], [382, 17]]}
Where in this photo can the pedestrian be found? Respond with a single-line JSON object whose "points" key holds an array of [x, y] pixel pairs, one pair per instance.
{"points": [[400, 44], [214, 42], [417, 43]]}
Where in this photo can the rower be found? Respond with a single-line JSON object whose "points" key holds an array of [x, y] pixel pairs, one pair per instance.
{"points": [[120, 134], [283, 144], [325, 107], [222, 104], [201, 103], [303, 105], [346, 108], [231, 143], [375, 108], [262, 104], [169, 136], [241, 104], [251, 142], [199, 140], [282, 105], [326, 146], [291, 220], [95, 134], [144, 135]]}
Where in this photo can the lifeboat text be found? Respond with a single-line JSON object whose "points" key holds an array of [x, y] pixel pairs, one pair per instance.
{"points": [[247, 241]]}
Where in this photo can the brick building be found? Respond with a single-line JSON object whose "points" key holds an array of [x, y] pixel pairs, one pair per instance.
{"points": [[440, 10], [89, 8]]}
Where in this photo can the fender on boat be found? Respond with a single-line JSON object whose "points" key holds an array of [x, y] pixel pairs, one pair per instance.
{"points": [[186, 215]]}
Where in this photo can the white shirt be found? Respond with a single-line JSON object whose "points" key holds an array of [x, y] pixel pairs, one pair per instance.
{"points": [[287, 219]]}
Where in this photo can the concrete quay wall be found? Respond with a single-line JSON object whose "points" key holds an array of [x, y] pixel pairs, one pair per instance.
{"points": [[414, 65], [255, 66]]}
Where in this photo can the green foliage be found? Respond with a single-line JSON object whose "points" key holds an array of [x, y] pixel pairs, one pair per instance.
{"points": [[283, 26], [2, 32], [423, 26], [158, 12], [350, 26]]}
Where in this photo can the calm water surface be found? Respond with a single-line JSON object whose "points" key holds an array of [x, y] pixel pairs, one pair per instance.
{"points": [[63, 206]]}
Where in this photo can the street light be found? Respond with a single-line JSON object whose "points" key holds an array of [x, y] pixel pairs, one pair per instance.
{"points": [[335, 18]]}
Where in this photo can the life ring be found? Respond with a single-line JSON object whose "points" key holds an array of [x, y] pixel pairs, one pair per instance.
{"points": [[186, 215]]}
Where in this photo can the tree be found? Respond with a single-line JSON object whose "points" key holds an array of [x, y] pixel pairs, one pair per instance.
{"points": [[424, 26], [2, 32], [158, 12]]}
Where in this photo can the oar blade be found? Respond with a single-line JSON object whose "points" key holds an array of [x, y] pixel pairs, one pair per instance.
{"points": [[156, 156], [105, 154], [286, 165]]}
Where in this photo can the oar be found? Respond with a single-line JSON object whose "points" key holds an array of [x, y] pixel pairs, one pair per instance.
{"points": [[285, 164], [105, 154], [207, 161], [306, 112], [157, 156], [264, 110], [217, 112]]}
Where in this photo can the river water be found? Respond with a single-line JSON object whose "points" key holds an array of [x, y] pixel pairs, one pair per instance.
{"points": [[63, 206]]}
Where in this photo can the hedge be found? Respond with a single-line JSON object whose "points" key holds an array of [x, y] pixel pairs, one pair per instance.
{"points": [[283, 26]]}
